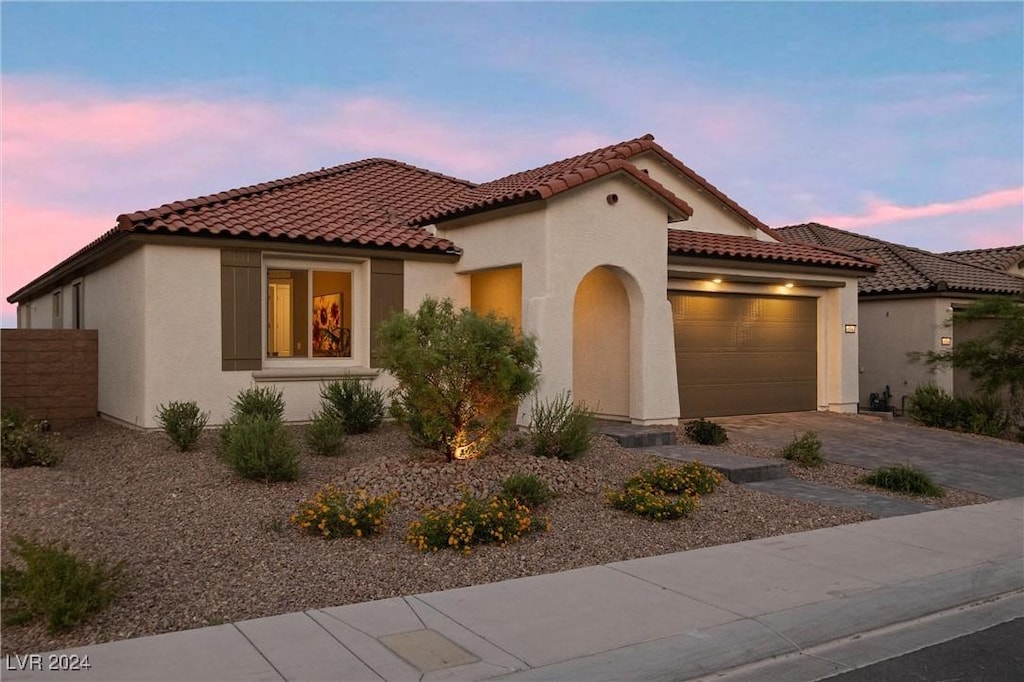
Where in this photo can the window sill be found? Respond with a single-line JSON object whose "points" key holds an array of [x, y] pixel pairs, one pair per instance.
{"points": [[314, 373]]}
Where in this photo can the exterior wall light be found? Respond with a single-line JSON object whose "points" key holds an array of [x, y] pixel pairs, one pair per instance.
{"points": [[789, 285], [946, 340], [850, 329], [717, 280]]}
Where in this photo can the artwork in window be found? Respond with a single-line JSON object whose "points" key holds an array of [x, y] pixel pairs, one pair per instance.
{"points": [[329, 339]]}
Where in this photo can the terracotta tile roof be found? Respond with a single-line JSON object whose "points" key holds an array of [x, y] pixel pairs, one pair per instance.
{"points": [[998, 258], [905, 269], [546, 181], [692, 243], [365, 203]]}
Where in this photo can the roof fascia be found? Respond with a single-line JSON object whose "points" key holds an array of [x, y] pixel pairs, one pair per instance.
{"points": [[105, 249], [762, 264]]}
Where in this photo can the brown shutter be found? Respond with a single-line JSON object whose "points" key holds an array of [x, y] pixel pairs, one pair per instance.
{"points": [[387, 296], [241, 344]]}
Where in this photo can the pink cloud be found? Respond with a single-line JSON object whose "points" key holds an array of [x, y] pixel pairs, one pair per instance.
{"points": [[884, 212]]}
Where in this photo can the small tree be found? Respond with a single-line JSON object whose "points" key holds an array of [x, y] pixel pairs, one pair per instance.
{"points": [[996, 359], [460, 375]]}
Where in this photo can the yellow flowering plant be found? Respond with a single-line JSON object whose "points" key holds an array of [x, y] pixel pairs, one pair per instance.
{"points": [[333, 512], [666, 492], [472, 521]]}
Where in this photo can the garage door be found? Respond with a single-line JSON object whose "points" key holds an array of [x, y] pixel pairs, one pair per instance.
{"points": [[738, 354]]}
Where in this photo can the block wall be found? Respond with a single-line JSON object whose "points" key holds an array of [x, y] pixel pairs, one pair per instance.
{"points": [[50, 373]]}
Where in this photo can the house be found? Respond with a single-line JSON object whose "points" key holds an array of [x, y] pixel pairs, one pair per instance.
{"points": [[907, 306], [651, 293]]}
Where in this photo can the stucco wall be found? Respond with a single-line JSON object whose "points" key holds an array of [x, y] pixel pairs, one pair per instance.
{"points": [[601, 344], [557, 243], [709, 214], [499, 291], [889, 330]]}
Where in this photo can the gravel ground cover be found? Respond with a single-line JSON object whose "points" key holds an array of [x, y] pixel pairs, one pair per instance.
{"points": [[202, 546]]}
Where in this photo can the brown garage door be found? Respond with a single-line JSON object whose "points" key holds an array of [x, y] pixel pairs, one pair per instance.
{"points": [[738, 354]]}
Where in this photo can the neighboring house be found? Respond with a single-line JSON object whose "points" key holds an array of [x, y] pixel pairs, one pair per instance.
{"points": [[650, 292], [906, 307]]}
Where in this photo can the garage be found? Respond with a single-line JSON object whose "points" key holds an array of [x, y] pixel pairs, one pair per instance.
{"points": [[744, 354]]}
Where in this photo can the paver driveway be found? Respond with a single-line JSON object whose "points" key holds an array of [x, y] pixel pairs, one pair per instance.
{"points": [[982, 465]]}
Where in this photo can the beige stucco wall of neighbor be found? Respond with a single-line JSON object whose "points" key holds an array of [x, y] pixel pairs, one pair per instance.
{"points": [[892, 328], [836, 305], [709, 214], [557, 243], [436, 279]]}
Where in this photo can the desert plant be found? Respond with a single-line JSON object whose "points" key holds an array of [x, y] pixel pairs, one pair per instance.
{"points": [[984, 414], [706, 432], [903, 478], [528, 489], [805, 450], [334, 512], [263, 402], [357, 404], [460, 375], [260, 448], [472, 521], [183, 422], [55, 585], [561, 428], [646, 500], [325, 434], [931, 406], [690, 477], [24, 443]]}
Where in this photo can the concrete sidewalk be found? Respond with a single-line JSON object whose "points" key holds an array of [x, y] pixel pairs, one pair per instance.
{"points": [[676, 616]]}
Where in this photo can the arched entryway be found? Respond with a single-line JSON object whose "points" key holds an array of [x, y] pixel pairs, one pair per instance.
{"points": [[600, 347]]}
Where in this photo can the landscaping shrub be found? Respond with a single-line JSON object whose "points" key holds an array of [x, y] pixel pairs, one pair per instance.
{"points": [[527, 489], [706, 432], [262, 402], [183, 422], [260, 448], [666, 492], [325, 435], [23, 443], [473, 521], [984, 414], [805, 450], [691, 477], [646, 500], [560, 428], [903, 478], [357, 404], [461, 375], [333, 512], [55, 585]]}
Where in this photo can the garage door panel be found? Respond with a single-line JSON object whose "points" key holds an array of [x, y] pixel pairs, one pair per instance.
{"points": [[741, 354]]}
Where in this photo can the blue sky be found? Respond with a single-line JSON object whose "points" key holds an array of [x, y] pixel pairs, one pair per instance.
{"points": [[900, 120]]}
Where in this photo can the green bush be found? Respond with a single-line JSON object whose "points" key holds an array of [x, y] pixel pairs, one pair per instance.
{"points": [[984, 414], [357, 404], [805, 450], [706, 432], [473, 521], [333, 512], [903, 478], [259, 402], [325, 434], [691, 477], [460, 375], [560, 428], [646, 500], [55, 585], [183, 422], [23, 442], [527, 489], [260, 448]]}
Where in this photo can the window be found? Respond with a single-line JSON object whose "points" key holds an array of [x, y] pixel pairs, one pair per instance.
{"points": [[76, 305], [58, 313], [309, 313]]}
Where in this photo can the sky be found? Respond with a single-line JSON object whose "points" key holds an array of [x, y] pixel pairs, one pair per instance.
{"points": [[903, 121]]}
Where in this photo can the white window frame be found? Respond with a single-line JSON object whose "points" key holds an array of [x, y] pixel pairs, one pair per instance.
{"points": [[78, 304], [57, 302], [358, 270]]}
